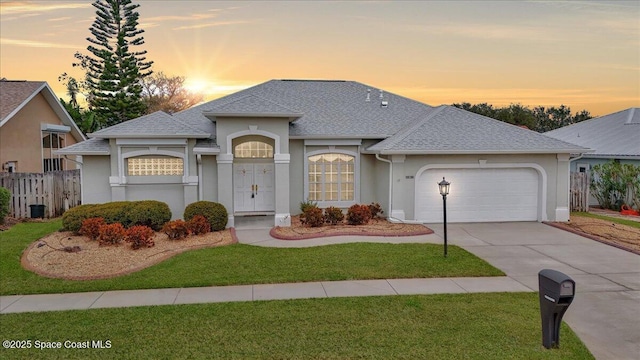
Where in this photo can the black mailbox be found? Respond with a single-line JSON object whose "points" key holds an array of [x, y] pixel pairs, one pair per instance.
{"points": [[556, 294]]}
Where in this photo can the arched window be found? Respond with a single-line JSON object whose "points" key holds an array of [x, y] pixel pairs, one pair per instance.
{"points": [[331, 177], [253, 150], [154, 165]]}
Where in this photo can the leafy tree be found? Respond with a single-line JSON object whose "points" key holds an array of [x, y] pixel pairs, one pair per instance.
{"points": [[85, 119], [517, 114], [168, 94], [114, 70], [614, 184], [540, 119]]}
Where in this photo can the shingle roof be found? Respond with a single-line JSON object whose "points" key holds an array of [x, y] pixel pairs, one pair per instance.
{"points": [[348, 109], [612, 135], [93, 146], [254, 105], [158, 124], [451, 130], [329, 108], [14, 93]]}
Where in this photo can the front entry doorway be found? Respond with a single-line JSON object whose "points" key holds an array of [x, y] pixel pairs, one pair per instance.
{"points": [[253, 185]]}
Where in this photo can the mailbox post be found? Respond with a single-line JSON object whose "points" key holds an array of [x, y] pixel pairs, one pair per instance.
{"points": [[556, 294]]}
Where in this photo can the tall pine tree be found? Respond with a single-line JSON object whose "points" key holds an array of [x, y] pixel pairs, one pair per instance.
{"points": [[114, 72]]}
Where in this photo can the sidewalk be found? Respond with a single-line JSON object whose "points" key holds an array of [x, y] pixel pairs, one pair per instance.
{"points": [[309, 290]]}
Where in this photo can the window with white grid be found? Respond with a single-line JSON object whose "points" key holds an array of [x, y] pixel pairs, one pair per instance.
{"points": [[150, 166], [331, 177], [253, 150]]}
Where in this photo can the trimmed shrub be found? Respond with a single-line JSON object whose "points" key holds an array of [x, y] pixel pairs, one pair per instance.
{"points": [[114, 212], [376, 210], [214, 212], [72, 218], [199, 225], [176, 229], [312, 217], [150, 213], [333, 215], [140, 236], [91, 227], [111, 234], [304, 205], [5, 196], [358, 214], [128, 213]]}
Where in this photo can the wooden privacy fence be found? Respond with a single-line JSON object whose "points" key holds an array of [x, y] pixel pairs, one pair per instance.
{"points": [[579, 196], [57, 190]]}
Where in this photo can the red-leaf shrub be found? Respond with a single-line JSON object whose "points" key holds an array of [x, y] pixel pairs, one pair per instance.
{"points": [[91, 227], [111, 234], [376, 210], [176, 229], [140, 236], [358, 214], [333, 215], [312, 216], [199, 225]]}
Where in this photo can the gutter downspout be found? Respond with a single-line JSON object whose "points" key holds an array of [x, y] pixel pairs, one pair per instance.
{"points": [[200, 190], [390, 181], [389, 217]]}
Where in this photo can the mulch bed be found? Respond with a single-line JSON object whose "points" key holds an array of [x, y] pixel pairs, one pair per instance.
{"points": [[376, 227], [64, 255], [617, 235]]}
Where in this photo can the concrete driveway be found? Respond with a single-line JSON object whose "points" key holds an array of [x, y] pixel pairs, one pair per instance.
{"points": [[606, 310]]}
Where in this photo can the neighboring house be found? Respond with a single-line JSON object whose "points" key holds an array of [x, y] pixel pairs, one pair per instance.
{"points": [[612, 137], [33, 124], [265, 149]]}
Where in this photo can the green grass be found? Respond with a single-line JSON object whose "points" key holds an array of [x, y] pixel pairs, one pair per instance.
{"points": [[453, 326], [245, 264], [631, 223]]}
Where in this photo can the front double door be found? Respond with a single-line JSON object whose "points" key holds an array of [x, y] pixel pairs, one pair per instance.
{"points": [[253, 185]]}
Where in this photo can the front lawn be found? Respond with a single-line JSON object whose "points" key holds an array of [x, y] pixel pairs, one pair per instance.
{"points": [[245, 264], [452, 326]]}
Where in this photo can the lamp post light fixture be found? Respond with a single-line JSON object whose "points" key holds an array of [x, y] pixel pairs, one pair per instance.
{"points": [[444, 186]]}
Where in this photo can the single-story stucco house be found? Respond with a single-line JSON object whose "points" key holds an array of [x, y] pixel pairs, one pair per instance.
{"points": [[611, 137], [265, 149]]}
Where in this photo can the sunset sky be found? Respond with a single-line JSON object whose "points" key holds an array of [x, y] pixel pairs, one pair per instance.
{"points": [[584, 54]]}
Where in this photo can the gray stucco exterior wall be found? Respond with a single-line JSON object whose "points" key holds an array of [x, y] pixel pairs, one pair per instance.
{"points": [[95, 179], [209, 179]]}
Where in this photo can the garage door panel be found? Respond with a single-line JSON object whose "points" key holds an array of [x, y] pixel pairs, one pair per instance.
{"points": [[477, 195]]}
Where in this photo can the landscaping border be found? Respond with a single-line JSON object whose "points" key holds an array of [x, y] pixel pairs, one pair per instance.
{"points": [[273, 233], [589, 236]]}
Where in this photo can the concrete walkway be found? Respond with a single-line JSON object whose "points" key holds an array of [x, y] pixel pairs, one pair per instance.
{"points": [[321, 289], [605, 313]]}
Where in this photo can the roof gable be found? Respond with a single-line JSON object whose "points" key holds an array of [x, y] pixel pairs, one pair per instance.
{"points": [[252, 105], [451, 130], [613, 135], [155, 125], [15, 95]]}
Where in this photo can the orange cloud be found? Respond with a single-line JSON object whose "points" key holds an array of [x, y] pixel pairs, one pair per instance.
{"points": [[36, 44], [19, 7]]}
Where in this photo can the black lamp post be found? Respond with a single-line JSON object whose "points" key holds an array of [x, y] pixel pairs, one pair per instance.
{"points": [[444, 191]]}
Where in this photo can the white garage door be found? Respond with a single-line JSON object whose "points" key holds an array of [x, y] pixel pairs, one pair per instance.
{"points": [[479, 195]]}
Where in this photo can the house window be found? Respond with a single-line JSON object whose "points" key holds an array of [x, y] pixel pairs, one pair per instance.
{"points": [[50, 143], [253, 150], [54, 164], [151, 166], [331, 177]]}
